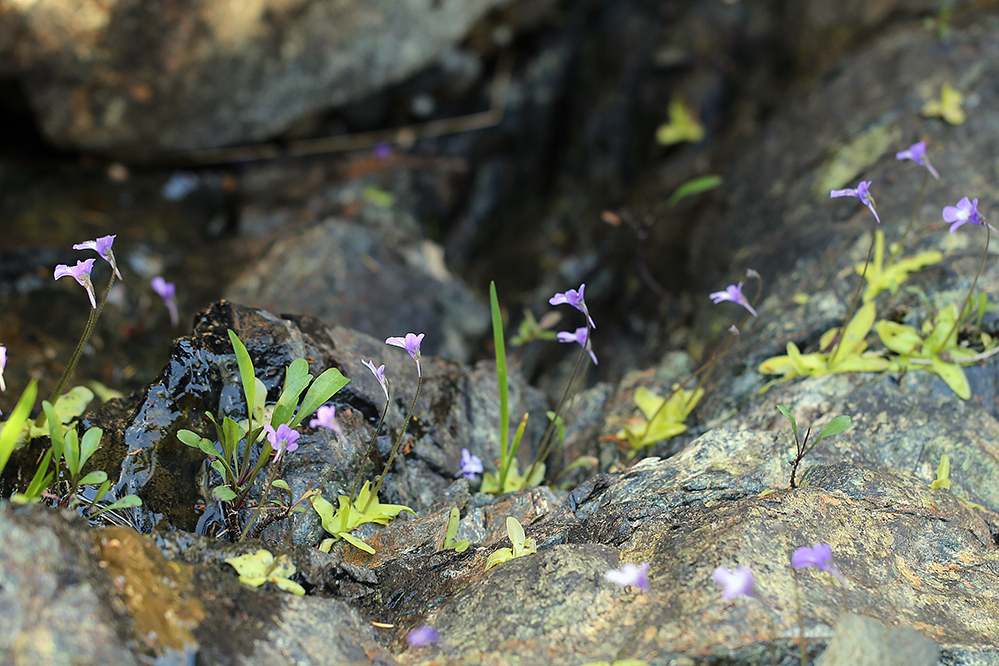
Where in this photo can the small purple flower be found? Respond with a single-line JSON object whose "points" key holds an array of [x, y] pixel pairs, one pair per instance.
{"points": [[326, 418], [470, 465], [581, 336], [734, 583], [382, 151], [166, 291], [411, 343], [3, 364], [630, 574], [819, 555], [861, 193], [80, 273], [103, 247], [965, 211], [575, 299], [423, 636], [733, 293], [282, 439], [379, 374], [917, 153]]}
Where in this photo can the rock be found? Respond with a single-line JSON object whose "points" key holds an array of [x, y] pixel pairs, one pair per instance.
{"points": [[121, 77], [861, 641], [382, 284], [457, 409]]}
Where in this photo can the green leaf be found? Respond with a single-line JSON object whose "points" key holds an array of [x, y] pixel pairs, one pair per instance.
{"points": [[322, 389], [452, 527], [296, 379], [521, 546], [190, 438], [355, 542], [223, 494], [692, 187], [95, 478], [948, 106], [880, 278], [257, 568], [246, 372], [126, 502], [71, 452], [90, 443], [682, 126], [346, 518], [953, 375], [39, 482], [102, 491], [12, 429], [280, 483], [462, 546], [503, 385], [834, 427], [57, 433], [231, 434], [663, 418], [68, 407], [790, 418], [378, 197], [516, 533], [943, 474]]}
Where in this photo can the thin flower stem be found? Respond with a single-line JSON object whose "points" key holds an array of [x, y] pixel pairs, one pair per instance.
{"points": [[856, 297], [545, 445], [271, 476], [707, 368], [958, 319], [91, 322], [367, 454], [395, 448], [912, 219]]}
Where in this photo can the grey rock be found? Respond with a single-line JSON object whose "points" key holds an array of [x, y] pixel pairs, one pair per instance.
{"points": [[861, 641], [131, 79], [382, 284]]}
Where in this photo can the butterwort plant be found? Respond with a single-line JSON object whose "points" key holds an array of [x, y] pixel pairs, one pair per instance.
{"points": [[362, 505], [231, 456]]}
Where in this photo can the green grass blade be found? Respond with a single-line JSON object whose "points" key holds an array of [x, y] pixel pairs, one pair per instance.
{"points": [[502, 381], [15, 424]]}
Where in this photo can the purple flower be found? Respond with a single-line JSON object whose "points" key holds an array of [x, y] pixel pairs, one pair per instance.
{"points": [[80, 273], [411, 343], [3, 364], [581, 336], [382, 151], [423, 636], [575, 299], [379, 374], [326, 418], [917, 153], [282, 439], [733, 293], [166, 290], [965, 211], [819, 555], [734, 583], [629, 574], [470, 465], [861, 193], [103, 247]]}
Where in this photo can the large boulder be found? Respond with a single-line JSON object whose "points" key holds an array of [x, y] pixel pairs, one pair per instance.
{"points": [[131, 78]]}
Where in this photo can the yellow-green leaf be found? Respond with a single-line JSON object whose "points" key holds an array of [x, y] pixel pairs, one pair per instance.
{"points": [[943, 474], [948, 106], [682, 125], [257, 568]]}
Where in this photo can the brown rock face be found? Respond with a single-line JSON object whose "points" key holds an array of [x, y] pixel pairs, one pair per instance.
{"points": [[132, 78]]}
